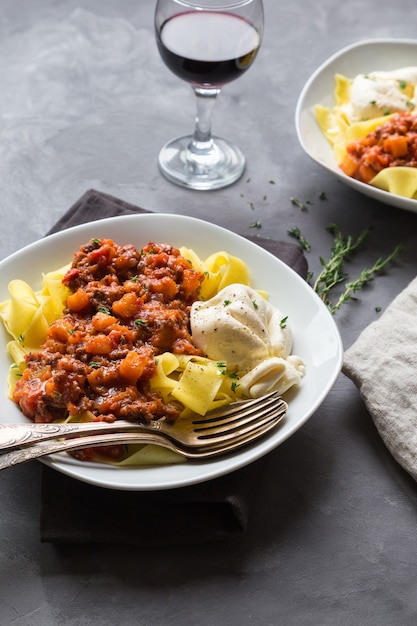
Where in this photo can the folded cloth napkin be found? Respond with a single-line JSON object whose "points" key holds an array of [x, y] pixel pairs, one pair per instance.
{"points": [[383, 364], [96, 205], [75, 512]]}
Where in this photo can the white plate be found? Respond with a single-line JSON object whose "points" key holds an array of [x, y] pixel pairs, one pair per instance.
{"points": [[359, 58], [316, 338]]}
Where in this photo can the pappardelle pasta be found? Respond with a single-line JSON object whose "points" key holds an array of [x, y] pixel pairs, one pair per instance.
{"points": [[372, 128], [124, 333]]}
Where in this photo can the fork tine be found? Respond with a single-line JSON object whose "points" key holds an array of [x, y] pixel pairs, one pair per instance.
{"points": [[237, 408], [245, 435], [238, 428], [208, 451], [246, 415]]}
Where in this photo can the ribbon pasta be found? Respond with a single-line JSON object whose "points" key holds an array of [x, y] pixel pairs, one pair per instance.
{"points": [[27, 316], [220, 269], [336, 124], [341, 128], [198, 383]]}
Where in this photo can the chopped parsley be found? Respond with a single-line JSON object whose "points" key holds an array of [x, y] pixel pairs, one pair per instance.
{"points": [[104, 309]]}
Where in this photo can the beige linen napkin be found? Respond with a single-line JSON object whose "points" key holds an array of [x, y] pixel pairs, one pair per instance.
{"points": [[383, 364]]}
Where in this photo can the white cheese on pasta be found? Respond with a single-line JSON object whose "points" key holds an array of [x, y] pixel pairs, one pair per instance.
{"points": [[382, 93], [243, 330]]}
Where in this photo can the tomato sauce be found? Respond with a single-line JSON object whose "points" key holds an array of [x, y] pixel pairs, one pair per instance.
{"points": [[392, 144], [126, 306]]}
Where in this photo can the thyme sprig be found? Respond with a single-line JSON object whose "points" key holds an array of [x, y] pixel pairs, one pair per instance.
{"points": [[296, 233], [333, 270], [363, 279]]}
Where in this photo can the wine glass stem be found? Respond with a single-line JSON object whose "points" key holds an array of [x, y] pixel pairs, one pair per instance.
{"points": [[201, 152]]}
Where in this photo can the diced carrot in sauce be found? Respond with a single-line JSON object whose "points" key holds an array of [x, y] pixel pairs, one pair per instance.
{"points": [[349, 165], [397, 145], [59, 330], [165, 286], [98, 344], [126, 306], [191, 282], [78, 301], [392, 144], [132, 366], [100, 321]]}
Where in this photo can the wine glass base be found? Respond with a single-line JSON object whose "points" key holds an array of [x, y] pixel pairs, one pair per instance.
{"points": [[223, 166]]}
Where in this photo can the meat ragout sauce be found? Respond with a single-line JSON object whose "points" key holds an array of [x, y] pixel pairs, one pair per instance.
{"points": [[392, 144], [126, 306]]}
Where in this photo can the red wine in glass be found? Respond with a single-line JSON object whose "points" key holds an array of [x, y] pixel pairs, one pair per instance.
{"points": [[233, 45], [207, 43]]}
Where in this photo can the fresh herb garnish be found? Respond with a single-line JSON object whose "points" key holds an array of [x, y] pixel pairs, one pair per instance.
{"points": [[296, 233], [298, 203], [283, 322], [333, 270]]}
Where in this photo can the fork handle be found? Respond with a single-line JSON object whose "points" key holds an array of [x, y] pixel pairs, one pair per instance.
{"points": [[20, 435], [38, 450]]}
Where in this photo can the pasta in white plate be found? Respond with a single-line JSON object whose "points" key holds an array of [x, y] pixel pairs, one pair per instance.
{"points": [[68, 317]]}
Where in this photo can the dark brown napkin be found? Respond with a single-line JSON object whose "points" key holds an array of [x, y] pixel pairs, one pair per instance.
{"points": [[76, 512], [96, 205]]}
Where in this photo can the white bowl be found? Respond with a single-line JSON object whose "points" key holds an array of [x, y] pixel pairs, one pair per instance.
{"points": [[358, 58], [316, 338]]}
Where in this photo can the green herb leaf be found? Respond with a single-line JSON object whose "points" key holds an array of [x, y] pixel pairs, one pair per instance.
{"points": [[298, 203], [333, 270], [296, 233]]}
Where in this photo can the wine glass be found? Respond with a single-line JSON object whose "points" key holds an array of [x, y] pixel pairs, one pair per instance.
{"points": [[207, 43]]}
